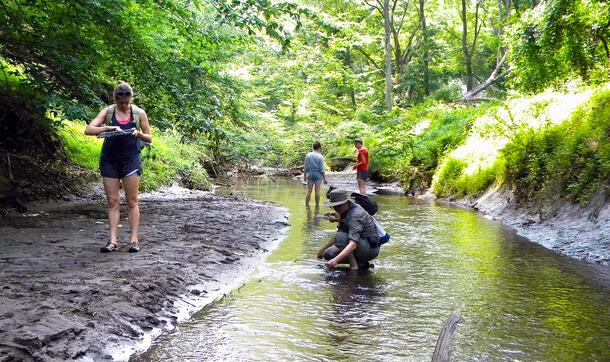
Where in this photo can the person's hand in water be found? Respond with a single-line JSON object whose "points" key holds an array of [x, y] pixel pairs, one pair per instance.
{"points": [[332, 263]]}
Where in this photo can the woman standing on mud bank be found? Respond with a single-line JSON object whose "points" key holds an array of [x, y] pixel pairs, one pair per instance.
{"points": [[120, 160]]}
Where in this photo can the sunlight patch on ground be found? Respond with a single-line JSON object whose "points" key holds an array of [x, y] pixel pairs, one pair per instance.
{"points": [[420, 127], [491, 132]]}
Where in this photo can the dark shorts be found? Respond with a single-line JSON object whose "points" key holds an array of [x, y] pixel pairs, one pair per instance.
{"points": [[363, 175], [363, 253], [120, 169]]}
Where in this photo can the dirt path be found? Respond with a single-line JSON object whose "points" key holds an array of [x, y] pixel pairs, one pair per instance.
{"points": [[61, 299]]}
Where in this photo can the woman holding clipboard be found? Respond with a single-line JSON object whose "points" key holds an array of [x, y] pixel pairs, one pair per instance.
{"points": [[124, 126]]}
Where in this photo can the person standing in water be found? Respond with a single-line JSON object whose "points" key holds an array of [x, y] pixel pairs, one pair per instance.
{"points": [[120, 160], [362, 165], [314, 172]]}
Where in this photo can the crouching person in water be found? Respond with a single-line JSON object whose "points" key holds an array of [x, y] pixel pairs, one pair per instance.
{"points": [[120, 160], [356, 242]]}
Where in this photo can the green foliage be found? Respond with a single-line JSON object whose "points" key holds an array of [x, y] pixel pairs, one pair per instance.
{"points": [[449, 177], [559, 39], [570, 159], [80, 149], [414, 142], [451, 180], [170, 51], [167, 161], [449, 93]]}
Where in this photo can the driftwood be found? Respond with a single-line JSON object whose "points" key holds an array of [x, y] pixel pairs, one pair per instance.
{"points": [[442, 352]]}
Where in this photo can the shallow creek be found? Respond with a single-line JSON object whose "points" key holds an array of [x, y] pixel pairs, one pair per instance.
{"points": [[518, 301]]}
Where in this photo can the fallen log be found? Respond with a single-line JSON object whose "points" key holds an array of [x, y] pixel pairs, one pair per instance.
{"points": [[442, 352]]}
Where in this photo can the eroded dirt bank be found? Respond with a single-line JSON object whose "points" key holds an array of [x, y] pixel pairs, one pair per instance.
{"points": [[61, 299]]}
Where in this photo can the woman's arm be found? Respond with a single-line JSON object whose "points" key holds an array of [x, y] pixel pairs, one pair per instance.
{"points": [[144, 134], [95, 126], [322, 170]]}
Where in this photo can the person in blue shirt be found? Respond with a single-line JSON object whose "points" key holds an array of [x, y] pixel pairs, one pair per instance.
{"points": [[314, 172]]}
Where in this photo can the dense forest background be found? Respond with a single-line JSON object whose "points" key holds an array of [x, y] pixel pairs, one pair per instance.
{"points": [[453, 95]]}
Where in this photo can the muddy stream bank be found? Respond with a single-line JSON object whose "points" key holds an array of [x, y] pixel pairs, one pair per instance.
{"points": [[61, 299]]}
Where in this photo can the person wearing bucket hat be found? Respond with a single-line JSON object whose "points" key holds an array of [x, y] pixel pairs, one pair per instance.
{"points": [[356, 242]]}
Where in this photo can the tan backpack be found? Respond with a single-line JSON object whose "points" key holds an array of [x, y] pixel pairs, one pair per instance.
{"points": [[135, 115]]}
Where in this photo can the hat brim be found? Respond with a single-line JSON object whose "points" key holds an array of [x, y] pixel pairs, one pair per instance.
{"points": [[336, 203]]}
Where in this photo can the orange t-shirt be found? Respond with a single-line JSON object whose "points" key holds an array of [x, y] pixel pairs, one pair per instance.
{"points": [[365, 166]]}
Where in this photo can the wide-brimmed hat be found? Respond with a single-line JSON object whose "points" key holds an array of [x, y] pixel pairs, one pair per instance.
{"points": [[337, 197]]}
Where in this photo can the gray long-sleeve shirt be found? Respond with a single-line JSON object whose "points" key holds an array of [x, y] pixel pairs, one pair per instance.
{"points": [[360, 225], [314, 162]]}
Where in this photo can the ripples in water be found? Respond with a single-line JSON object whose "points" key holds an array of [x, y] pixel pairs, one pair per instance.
{"points": [[518, 300]]}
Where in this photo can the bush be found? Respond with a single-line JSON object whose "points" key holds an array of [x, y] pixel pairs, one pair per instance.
{"points": [[449, 93], [571, 159], [167, 161]]}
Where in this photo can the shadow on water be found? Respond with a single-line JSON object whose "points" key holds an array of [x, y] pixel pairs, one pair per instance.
{"points": [[518, 300]]}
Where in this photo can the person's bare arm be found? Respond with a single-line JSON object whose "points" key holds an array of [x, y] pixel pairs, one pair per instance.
{"points": [[360, 161], [95, 126], [332, 263], [144, 134]]}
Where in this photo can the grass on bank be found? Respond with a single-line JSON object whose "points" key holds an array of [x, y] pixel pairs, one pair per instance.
{"points": [[542, 147], [168, 159]]}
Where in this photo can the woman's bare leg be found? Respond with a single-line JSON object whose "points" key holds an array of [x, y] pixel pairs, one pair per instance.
{"points": [[362, 186], [112, 187], [132, 185], [309, 189]]}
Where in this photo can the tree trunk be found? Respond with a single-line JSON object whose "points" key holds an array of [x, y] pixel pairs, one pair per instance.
{"points": [[388, 55], [422, 19], [494, 77], [467, 55], [516, 6], [348, 63]]}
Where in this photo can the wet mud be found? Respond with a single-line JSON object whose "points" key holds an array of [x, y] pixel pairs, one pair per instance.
{"points": [[61, 299]]}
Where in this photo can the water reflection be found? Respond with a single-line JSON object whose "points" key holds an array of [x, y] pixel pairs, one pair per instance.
{"points": [[313, 218], [518, 301]]}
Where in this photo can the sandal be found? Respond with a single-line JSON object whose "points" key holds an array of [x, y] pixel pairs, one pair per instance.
{"points": [[134, 247], [109, 247]]}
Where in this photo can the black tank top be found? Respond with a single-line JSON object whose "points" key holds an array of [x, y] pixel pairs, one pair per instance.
{"points": [[121, 148]]}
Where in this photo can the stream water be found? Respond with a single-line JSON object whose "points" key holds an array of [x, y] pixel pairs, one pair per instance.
{"points": [[518, 301]]}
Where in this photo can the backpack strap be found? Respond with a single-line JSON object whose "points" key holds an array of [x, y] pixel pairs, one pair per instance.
{"points": [[109, 114], [135, 115]]}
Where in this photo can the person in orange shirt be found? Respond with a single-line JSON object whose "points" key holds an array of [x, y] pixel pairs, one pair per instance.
{"points": [[362, 165]]}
